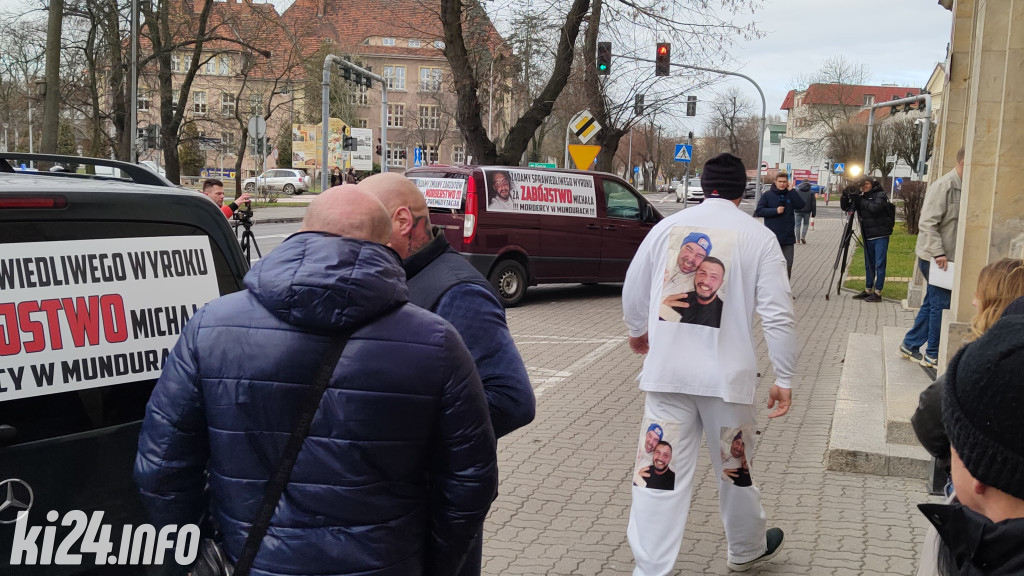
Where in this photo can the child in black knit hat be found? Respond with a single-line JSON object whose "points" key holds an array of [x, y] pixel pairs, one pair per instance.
{"points": [[983, 413]]}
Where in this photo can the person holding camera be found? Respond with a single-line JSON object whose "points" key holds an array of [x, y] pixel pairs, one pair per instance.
{"points": [[877, 217], [777, 207], [214, 190]]}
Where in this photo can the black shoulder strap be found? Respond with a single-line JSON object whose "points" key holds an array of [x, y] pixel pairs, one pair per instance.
{"points": [[307, 410]]}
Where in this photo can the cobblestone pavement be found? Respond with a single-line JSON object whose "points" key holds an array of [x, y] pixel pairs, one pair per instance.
{"points": [[565, 495]]}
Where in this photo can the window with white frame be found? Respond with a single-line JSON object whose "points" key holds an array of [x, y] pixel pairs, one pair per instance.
{"points": [[360, 123], [395, 155], [430, 155], [458, 155], [415, 44], [430, 117], [430, 79], [396, 115], [177, 62], [227, 104], [358, 97], [387, 41], [224, 65], [394, 76], [174, 100], [227, 140], [210, 67], [869, 99], [144, 101], [199, 103]]}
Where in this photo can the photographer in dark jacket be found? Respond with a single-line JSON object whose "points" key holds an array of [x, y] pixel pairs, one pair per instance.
{"points": [[777, 206], [877, 216]]}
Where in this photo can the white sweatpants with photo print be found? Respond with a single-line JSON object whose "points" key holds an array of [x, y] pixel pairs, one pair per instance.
{"points": [[657, 518]]}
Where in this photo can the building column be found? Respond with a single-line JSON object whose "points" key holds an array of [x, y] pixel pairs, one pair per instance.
{"points": [[949, 135], [992, 207]]}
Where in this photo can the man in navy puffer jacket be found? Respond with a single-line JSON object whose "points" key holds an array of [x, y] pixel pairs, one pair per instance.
{"points": [[399, 468]]}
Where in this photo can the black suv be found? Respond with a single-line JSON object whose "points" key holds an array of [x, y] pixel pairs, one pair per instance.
{"points": [[98, 275]]}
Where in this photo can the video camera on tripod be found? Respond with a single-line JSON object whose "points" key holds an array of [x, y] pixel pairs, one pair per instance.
{"points": [[847, 202], [247, 241]]}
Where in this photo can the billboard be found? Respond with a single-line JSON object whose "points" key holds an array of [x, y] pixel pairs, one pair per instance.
{"points": [[306, 145]]}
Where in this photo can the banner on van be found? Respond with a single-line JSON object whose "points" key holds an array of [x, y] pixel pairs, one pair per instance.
{"points": [[537, 192], [90, 313], [442, 192]]}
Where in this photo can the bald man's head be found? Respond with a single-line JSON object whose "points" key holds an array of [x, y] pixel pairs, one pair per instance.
{"points": [[410, 217], [348, 211]]}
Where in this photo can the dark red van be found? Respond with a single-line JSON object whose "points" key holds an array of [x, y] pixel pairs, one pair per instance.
{"points": [[526, 226]]}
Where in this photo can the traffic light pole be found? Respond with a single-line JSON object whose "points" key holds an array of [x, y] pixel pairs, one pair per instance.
{"points": [[764, 110], [332, 60], [923, 154]]}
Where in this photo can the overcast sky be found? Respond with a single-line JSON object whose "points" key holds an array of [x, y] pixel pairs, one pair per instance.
{"points": [[899, 40]]}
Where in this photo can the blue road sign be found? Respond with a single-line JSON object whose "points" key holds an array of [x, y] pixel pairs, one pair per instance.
{"points": [[839, 168], [789, 168], [417, 157], [899, 183], [636, 169], [683, 152]]}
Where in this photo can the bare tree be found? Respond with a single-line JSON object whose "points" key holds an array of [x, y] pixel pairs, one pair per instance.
{"points": [[835, 103], [468, 109], [906, 135], [51, 106]]}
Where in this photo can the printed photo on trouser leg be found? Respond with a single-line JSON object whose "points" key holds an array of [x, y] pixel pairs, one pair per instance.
{"points": [[734, 426], [670, 436]]}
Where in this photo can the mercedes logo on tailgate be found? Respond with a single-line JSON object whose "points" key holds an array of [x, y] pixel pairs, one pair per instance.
{"points": [[15, 499]]}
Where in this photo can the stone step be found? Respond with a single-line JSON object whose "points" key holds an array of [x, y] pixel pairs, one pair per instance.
{"points": [[904, 381], [857, 441]]}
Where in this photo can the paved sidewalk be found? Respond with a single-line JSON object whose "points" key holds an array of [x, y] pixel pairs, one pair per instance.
{"points": [[565, 494]]}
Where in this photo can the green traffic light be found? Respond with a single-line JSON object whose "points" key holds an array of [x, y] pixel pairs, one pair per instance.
{"points": [[604, 67]]}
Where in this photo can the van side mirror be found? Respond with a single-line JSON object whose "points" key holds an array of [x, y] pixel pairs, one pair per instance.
{"points": [[648, 214]]}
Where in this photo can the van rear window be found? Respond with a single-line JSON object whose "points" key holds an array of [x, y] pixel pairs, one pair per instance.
{"points": [[86, 321]]}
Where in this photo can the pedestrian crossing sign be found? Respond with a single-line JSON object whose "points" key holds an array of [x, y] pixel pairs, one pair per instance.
{"points": [[839, 168], [683, 152]]}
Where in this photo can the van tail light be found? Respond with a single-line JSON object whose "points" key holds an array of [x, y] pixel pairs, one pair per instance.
{"points": [[55, 201], [469, 227]]}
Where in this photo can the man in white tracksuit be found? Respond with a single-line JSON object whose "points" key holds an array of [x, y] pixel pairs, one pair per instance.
{"points": [[700, 379]]}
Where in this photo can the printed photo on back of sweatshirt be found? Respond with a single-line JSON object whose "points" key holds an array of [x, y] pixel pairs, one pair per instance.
{"points": [[696, 272]]}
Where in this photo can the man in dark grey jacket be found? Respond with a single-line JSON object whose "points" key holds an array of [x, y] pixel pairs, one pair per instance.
{"points": [[804, 215]]}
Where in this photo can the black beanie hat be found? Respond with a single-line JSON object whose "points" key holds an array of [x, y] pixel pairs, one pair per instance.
{"points": [[724, 176], [804, 187], [983, 406]]}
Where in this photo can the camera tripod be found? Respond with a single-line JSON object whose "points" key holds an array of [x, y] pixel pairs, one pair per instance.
{"points": [[842, 255], [247, 241]]}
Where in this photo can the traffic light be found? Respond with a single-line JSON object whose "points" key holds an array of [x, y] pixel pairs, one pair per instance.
{"points": [[661, 59], [350, 143], [908, 107], [153, 136], [691, 105], [346, 74], [367, 81], [638, 106], [604, 57], [402, 154], [893, 110]]}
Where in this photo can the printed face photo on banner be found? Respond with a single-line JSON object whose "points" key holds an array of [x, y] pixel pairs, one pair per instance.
{"points": [[653, 468], [696, 273], [737, 451], [540, 192]]}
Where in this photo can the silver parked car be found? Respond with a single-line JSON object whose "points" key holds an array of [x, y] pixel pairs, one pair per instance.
{"points": [[694, 192], [279, 179]]}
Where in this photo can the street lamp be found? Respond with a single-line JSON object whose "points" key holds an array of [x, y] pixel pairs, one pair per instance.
{"points": [[855, 170]]}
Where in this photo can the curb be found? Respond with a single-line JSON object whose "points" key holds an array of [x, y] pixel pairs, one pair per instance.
{"points": [[277, 220]]}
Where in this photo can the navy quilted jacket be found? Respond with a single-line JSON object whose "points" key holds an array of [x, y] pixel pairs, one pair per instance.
{"points": [[399, 468]]}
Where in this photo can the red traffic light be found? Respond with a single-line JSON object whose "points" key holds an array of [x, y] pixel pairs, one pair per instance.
{"points": [[661, 59]]}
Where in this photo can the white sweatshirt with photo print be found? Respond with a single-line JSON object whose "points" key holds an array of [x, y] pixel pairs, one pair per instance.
{"points": [[703, 360]]}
